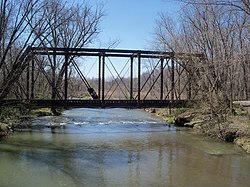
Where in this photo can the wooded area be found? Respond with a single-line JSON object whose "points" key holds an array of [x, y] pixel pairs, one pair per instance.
{"points": [[43, 23], [217, 29]]}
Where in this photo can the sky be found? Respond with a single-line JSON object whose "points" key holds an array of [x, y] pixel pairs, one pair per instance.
{"points": [[132, 22]]}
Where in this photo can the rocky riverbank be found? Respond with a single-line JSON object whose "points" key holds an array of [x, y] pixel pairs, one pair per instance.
{"points": [[230, 128], [13, 118], [5, 129]]}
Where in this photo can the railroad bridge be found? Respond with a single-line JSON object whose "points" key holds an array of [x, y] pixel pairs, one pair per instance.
{"points": [[121, 78]]}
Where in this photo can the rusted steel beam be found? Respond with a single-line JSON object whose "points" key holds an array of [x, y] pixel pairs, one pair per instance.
{"points": [[28, 81], [76, 103], [139, 79], [111, 52], [98, 54], [32, 79], [103, 76], [189, 86], [131, 77], [99, 76], [162, 81], [172, 79], [66, 77], [106, 51]]}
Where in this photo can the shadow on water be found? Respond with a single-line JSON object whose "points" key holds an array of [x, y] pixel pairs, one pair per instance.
{"points": [[146, 153]]}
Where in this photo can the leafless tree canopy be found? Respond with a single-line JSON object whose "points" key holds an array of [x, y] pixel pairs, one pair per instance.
{"points": [[219, 30], [47, 23]]}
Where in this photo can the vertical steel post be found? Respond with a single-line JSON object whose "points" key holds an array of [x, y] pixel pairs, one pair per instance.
{"points": [[28, 81], [131, 77], [32, 78], [103, 76], [162, 77], [99, 76], [139, 79], [172, 79], [179, 81], [189, 87], [66, 77], [53, 86]]}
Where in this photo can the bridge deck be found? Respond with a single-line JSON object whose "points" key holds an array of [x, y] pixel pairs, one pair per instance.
{"points": [[77, 103]]}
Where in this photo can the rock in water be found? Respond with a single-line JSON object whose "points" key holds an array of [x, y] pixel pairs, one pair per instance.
{"points": [[184, 118]]}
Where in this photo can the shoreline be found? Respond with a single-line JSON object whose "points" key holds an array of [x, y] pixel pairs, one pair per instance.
{"points": [[12, 118], [234, 129]]}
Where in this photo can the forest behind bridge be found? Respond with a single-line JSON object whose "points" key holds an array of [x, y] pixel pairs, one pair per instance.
{"points": [[217, 29]]}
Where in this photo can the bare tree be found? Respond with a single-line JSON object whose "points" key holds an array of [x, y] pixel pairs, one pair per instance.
{"points": [[219, 30], [238, 5], [70, 26], [15, 35]]}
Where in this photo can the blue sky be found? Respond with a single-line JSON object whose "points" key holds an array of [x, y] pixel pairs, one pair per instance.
{"points": [[132, 21]]}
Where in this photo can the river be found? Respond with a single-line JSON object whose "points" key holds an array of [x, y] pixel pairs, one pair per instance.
{"points": [[117, 147]]}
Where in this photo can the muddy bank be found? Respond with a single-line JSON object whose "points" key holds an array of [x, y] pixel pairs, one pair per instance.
{"points": [[230, 128]]}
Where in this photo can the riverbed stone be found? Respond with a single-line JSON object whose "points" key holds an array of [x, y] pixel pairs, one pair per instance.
{"points": [[194, 123], [5, 129], [184, 118]]}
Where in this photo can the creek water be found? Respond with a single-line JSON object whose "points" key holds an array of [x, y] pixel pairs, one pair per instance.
{"points": [[117, 147]]}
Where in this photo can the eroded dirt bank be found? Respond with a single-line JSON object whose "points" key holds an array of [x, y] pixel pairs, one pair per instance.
{"points": [[233, 128]]}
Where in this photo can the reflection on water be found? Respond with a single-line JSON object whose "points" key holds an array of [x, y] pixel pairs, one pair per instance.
{"points": [[117, 147]]}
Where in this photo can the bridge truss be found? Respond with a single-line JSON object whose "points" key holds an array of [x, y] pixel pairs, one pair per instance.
{"points": [[124, 78]]}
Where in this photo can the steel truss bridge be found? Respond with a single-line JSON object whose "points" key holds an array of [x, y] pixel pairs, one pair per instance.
{"points": [[146, 78]]}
